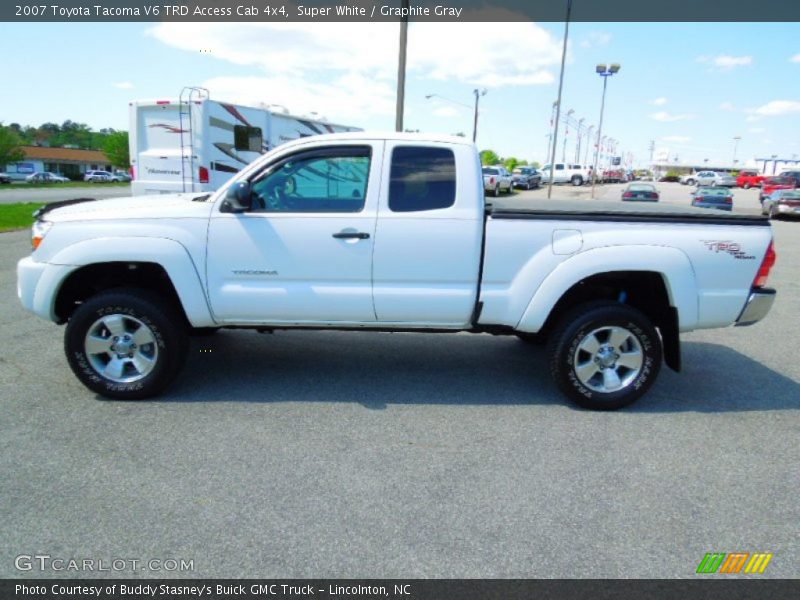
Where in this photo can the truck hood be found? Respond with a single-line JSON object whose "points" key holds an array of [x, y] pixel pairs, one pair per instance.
{"points": [[160, 206]]}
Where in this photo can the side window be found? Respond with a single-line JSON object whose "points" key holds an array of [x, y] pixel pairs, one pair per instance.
{"points": [[559, 167], [422, 178], [332, 180], [248, 139]]}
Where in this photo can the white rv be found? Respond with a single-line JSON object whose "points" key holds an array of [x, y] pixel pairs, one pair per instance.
{"points": [[195, 144]]}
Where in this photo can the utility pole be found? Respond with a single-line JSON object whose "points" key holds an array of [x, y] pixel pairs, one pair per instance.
{"points": [[735, 147], [558, 105], [401, 69], [478, 93]]}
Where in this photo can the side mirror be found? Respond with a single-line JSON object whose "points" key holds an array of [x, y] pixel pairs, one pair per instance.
{"points": [[238, 198]]}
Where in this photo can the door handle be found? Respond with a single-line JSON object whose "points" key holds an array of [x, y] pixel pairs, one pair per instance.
{"points": [[356, 235]]}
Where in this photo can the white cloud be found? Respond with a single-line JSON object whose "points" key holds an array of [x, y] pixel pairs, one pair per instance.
{"points": [[347, 97], [446, 111], [349, 70], [658, 101], [726, 61], [123, 85], [795, 58], [595, 39], [665, 117], [727, 106], [756, 130], [677, 139], [777, 108]]}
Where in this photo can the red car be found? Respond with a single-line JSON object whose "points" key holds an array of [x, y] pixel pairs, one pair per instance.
{"points": [[770, 184], [748, 179]]}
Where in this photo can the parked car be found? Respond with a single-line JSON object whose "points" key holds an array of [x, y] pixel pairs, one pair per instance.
{"points": [[45, 177], [612, 176], [770, 184], [713, 178], [122, 176], [782, 203], [717, 197], [608, 290], [688, 179], [99, 176], [497, 179], [795, 175], [5, 178], [526, 177], [748, 179], [567, 173], [645, 192]]}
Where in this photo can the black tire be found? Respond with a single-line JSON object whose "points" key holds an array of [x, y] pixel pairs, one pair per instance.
{"points": [[497, 190], [577, 180], [577, 326], [690, 182], [164, 324], [773, 215], [746, 186]]}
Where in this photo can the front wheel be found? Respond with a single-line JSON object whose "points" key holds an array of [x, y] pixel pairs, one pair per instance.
{"points": [[746, 186], [126, 344], [496, 190], [577, 180], [605, 355]]}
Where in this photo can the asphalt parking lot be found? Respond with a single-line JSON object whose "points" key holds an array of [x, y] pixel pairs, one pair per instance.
{"points": [[330, 454]]}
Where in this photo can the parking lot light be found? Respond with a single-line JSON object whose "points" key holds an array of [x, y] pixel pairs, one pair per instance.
{"points": [[605, 73]]}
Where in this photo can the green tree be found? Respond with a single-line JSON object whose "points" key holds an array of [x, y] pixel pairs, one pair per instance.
{"points": [[510, 163], [10, 142], [115, 147], [489, 157]]}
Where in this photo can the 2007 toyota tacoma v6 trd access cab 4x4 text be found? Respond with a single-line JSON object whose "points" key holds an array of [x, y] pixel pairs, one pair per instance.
{"points": [[389, 232]]}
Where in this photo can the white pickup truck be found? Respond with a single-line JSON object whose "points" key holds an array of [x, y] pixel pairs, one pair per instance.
{"points": [[567, 173], [389, 232]]}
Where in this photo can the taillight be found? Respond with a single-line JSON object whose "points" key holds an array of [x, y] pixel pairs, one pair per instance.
{"points": [[202, 175], [627, 195], [132, 172], [653, 195], [728, 200], [491, 180], [766, 266]]}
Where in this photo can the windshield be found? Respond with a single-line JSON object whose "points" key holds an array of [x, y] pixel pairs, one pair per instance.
{"points": [[778, 181], [487, 171], [641, 187]]}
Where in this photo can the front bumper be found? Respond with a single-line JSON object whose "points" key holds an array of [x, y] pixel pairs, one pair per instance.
{"points": [[757, 306]]}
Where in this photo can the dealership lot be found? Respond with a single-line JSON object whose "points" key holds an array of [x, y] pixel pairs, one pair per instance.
{"points": [[332, 454]]}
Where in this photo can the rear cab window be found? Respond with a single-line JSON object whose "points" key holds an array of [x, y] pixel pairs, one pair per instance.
{"points": [[422, 178]]}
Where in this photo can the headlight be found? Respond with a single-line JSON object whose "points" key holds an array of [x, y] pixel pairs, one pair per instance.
{"points": [[38, 231]]}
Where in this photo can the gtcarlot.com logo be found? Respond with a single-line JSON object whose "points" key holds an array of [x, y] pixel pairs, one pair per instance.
{"points": [[734, 562], [45, 562]]}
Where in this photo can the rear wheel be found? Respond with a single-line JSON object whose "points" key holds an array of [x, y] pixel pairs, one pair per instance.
{"points": [[746, 186], [577, 180], [605, 355], [126, 344], [690, 182], [496, 190]]}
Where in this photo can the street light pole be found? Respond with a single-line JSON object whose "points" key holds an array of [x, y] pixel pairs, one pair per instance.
{"points": [[578, 142], [401, 69], [735, 147], [605, 73], [588, 144], [478, 93], [558, 101]]}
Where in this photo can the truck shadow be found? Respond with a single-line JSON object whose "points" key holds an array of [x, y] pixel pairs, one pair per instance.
{"points": [[379, 369]]}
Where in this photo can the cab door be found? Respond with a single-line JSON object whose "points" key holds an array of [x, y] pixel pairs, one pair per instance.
{"points": [[303, 254]]}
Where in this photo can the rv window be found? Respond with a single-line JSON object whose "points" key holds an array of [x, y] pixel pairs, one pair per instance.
{"points": [[248, 139], [332, 180], [422, 178]]}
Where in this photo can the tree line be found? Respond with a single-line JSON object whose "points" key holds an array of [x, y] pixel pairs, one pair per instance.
{"points": [[69, 134], [491, 158]]}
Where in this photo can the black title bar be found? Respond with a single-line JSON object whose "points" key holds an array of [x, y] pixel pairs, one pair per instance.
{"points": [[394, 589], [391, 10]]}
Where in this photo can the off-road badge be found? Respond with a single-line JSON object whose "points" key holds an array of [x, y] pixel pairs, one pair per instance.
{"points": [[730, 247]]}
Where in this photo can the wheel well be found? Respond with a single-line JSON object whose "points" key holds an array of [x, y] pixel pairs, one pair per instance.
{"points": [[93, 279], [643, 290]]}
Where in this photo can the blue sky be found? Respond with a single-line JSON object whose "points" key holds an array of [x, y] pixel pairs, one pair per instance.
{"points": [[689, 87]]}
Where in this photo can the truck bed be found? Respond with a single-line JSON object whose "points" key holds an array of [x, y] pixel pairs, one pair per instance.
{"points": [[599, 210]]}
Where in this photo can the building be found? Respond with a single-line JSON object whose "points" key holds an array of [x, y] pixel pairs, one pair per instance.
{"points": [[69, 162]]}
